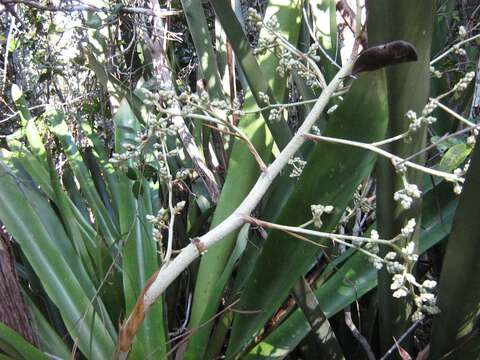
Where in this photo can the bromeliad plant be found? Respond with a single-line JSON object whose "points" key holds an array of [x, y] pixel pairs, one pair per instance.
{"points": [[108, 236]]}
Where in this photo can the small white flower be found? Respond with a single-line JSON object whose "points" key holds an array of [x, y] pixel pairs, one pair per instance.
{"points": [[374, 235], [264, 97], [397, 281], [318, 211], [332, 109], [372, 247], [410, 248], [471, 140], [391, 256], [429, 284], [417, 315], [428, 298], [411, 115], [409, 228], [377, 264], [457, 188], [402, 292], [179, 206], [412, 190], [151, 218], [298, 165], [395, 267]]}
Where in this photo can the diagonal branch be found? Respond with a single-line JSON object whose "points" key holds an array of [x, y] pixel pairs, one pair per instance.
{"points": [[159, 282]]}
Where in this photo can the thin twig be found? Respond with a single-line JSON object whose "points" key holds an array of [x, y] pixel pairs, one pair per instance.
{"points": [[404, 335], [312, 35], [395, 159], [338, 238], [439, 141], [357, 335], [456, 115], [453, 48]]}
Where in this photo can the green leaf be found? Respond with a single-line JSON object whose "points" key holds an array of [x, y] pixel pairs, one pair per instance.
{"points": [[326, 343], [50, 341], [137, 189], [454, 157], [139, 252], [131, 173], [355, 278], [31, 131], [197, 24], [13, 344], [103, 218], [289, 16], [31, 221]]}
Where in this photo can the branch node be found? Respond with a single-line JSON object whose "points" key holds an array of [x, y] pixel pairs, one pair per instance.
{"points": [[201, 248]]}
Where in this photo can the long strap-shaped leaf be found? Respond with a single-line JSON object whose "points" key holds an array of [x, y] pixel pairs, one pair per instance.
{"points": [[104, 220], [34, 225], [13, 344], [139, 249]]}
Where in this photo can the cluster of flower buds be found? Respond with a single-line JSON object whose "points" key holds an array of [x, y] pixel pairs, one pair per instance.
{"points": [[406, 232], [460, 172], [407, 195], [163, 172], [275, 114], [459, 51], [312, 52], [374, 249], [264, 98], [287, 63], [463, 82], [159, 222], [183, 174], [318, 211], [425, 300], [254, 19], [435, 72], [425, 119], [404, 282], [131, 153], [298, 164]]}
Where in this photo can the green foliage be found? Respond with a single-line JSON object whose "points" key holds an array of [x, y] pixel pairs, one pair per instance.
{"points": [[102, 188]]}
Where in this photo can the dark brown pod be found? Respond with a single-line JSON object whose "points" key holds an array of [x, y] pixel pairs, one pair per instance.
{"points": [[377, 57]]}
